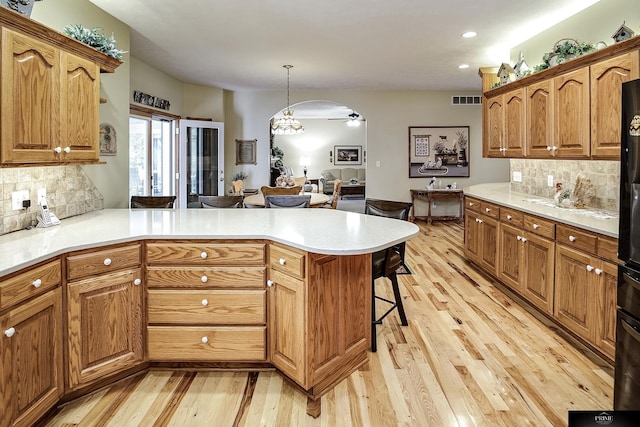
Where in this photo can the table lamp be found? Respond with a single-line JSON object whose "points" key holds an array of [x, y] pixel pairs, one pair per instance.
{"points": [[304, 162]]}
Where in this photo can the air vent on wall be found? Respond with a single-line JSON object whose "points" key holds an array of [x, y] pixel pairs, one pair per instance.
{"points": [[466, 100]]}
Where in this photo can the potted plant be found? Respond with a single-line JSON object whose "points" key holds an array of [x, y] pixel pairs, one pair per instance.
{"points": [[239, 175], [462, 145], [276, 157], [94, 38]]}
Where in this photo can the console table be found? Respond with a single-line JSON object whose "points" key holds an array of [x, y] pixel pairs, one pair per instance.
{"points": [[429, 196]]}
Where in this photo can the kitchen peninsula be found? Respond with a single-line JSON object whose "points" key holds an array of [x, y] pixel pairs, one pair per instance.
{"points": [[116, 291]]}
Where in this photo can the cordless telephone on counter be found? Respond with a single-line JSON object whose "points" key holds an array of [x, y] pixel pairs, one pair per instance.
{"points": [[46, 218]]}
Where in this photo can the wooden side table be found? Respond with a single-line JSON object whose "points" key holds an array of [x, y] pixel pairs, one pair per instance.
{"points": [[429, 196]]}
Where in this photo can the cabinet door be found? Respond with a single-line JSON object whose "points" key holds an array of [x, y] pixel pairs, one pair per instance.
{"points": [[514, 124], [574, 291], [105, 323], [539, 113], [538, 262], [605, 309], [510, 262], [493, 127], [489, 243], [571, 118], [30, 103], [31, 359], [471, 236], [80, 99], [606, 91], [287, 313]]}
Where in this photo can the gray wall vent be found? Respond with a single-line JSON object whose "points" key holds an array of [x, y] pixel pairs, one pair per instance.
{"points": [[466, 100]]}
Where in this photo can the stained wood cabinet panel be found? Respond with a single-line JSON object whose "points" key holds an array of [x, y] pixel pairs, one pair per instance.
{"points": [[606, 91], [481, 235], [319, 327], [571, 114], [493, 126], [31, 359], [104, 325], [30, 99], [606, 305], [79, 100], [514, 138], [539, 119], [29, 283], [511, 262], [207, 301], [538, 280]]}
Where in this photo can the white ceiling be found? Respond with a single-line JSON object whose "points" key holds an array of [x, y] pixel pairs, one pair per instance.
{"points": [[339, 45]]}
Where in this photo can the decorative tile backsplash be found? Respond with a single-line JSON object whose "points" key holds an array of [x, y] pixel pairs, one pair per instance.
{"points": [[604, 175], [69, 192]]}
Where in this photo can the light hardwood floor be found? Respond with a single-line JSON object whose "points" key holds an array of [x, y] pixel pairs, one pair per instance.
{"points": [[470, 356]]}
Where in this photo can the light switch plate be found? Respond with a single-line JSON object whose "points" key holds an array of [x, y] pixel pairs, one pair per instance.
{"points": [[42, 196], [550, 180]]}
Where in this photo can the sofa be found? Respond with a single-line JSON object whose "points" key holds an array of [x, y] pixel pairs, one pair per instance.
{"points": [[328, 176]]}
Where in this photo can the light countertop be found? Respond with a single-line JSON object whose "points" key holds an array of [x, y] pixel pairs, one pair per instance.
{"points": [[595, 220], [323, 231]]}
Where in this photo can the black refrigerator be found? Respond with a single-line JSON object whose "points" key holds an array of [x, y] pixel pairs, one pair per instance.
{"points": [[627, 367]]}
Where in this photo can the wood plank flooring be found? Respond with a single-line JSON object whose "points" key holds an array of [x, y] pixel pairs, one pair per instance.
{"points": [[470, 356]]}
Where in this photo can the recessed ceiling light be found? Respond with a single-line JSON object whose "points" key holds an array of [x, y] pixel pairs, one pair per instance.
{"points": [[469, 34], [462, 66]]}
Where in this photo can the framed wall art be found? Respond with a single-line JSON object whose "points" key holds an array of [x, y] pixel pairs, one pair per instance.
{"points": [[108, 140], [347, 155], [438, 151], [246, 151]]}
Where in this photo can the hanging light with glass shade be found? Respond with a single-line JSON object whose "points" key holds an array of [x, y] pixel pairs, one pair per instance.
{"points": [[287, 125]]}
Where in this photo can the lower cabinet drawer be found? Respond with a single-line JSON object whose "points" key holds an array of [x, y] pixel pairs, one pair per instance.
{"points": [[207, 343], [226, 307]]}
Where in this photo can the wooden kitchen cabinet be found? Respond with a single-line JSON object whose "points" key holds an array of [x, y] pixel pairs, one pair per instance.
{"points": [[30, 100], [319, 315], [31, 359], [514, 139], [539, 119], [207, 301], [481, 233], [571, 114], [493, 126], [104, 313], [79, 112], [606, 92], [49, 98]]}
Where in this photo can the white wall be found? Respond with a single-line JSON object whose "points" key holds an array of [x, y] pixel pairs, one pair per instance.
{"points": [[389, 115], [149, 80]]}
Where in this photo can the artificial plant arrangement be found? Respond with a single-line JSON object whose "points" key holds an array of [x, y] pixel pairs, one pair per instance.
{"points": [[276, 157], [564, 50], [240, 175], [94, 38]]}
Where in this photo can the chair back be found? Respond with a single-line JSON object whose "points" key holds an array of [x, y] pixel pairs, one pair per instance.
{"points": [[238, 186], [221, 201], [337, 186], [280, 191], [301, 181], [287, 201], [388, 208], [146, 202]]}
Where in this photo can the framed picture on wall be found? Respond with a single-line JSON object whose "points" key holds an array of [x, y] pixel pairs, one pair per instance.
{"points": [[246, 151], [438, 151], [347, 155]]}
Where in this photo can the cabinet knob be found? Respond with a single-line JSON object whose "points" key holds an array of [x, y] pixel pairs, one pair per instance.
{"points": [[67, 150], [519, 237], [107, 261], [282, 261], [480, 221], [535, 226], [9, 332], [470, 203], [572, 238], [589, 267], [203, 255], [269, 283], [36, 283], [204, 279], [598, 271], [205, 302], [204, 340], [509, 217], [487, 210], [137, 282], [554, 148], [58, 150], [548, 148], [524, 239]]}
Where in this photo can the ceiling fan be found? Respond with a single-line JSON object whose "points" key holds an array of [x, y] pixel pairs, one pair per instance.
{"points": [[352, 119]]}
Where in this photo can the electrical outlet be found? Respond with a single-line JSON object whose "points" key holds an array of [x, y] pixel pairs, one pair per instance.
{"points": [[16, 199], [42, 196], [550, 180], [377, 163], [517, 176]]}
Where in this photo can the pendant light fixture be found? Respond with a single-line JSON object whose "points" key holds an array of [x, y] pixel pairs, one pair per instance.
{"points": [[287, 125]]}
